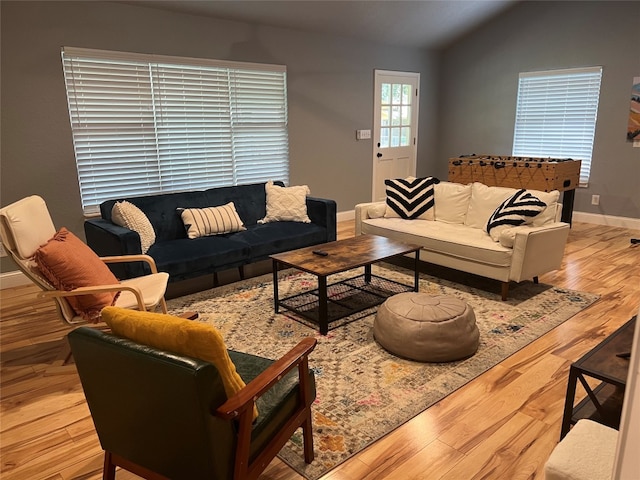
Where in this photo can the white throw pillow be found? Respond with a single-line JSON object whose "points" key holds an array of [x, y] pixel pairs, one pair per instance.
{"points": [[202, 222], [484, 201], [548, 215], [286, 204], [127, 215], [452, 202], [377, 210]]}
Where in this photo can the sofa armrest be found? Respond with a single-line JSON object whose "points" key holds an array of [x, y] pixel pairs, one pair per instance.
{"points": [[108, 239], [538, 250], [363, 211], [323, 212]]}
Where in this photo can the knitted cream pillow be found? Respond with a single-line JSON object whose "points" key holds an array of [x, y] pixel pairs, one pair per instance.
{"points": [[286, 204], [126, 214]]}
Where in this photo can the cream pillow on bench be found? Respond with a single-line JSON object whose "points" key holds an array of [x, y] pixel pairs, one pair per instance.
{"points": [[202, 222], [286, 204], [127, 215]]}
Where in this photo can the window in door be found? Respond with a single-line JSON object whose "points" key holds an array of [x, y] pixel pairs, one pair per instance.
{"points": [[395, 115]]}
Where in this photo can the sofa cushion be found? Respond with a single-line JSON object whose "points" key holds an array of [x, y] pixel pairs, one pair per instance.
{"points": [[516, 210], [126, 214], [548, 215], [249, 201], [451, 202], [286, 204], [68, 264], [376, 210], [483, 202], [410, 198], [449, 239], [270, 238], [201, 222], [183, 258]]}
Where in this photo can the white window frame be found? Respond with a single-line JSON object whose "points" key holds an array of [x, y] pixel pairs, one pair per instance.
{"points": [[148, 124], [556, 114]]}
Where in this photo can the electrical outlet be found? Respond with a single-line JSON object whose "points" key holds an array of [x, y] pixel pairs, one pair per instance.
{"points": [[595, 199]]}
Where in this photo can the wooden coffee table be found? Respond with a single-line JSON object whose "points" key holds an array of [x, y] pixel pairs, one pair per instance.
{"points": [[329, 303]]}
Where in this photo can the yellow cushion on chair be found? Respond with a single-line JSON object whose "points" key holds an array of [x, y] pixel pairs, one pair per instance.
{"points": [[177, 335]]}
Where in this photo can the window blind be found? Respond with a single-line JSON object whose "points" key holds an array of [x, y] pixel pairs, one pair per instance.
{"points": [[145, 124], [556, 115]]}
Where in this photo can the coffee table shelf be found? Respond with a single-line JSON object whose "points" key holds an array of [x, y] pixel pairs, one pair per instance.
{"points": [[609, 401], [345, 298]]}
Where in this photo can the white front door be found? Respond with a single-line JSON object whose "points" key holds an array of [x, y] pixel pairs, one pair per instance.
{"points": [[395, 127]]}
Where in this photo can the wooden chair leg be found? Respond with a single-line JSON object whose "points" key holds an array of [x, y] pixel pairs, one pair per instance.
{"points": [[307, 438], [535, 280], [109, 469], [505, 290], [63, 366]]}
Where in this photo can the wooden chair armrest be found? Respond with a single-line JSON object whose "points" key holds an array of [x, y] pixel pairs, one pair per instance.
{"points": [[244, 400], [132, 258], [118, 287]]}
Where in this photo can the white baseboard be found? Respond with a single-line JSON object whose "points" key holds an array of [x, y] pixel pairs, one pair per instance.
{"points": [[17, 278], [344, 216], [13, 279], [609, 220]]}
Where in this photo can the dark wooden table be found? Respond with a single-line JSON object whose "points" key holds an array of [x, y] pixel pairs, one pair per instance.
{"points": [[342, 255], [602, 404]]}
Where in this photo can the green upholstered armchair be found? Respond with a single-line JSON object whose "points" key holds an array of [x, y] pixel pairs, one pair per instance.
{"points": [[166, 416]]}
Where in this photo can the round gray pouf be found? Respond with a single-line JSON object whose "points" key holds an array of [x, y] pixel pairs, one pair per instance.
{"points": [[427, 328]]}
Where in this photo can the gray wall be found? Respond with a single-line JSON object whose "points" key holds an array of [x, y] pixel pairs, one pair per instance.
{"points": [[479, 83], [468, 91], [330, 82]]}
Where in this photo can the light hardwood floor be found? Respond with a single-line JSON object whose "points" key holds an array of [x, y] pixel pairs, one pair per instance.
{"points": [[503, 425]]}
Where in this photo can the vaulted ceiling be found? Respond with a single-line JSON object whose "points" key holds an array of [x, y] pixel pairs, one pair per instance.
{"points": [[428, 24]]}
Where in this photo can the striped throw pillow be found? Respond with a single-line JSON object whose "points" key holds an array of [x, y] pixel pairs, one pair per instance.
{"points": [[410, 198], [514, 211], [201, 222]]}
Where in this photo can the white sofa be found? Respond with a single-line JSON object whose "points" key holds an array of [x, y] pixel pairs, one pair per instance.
{"points": [[457, 237]]}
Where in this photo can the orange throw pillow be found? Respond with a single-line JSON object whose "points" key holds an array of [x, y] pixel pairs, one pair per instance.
{"points": [[68, 263]]}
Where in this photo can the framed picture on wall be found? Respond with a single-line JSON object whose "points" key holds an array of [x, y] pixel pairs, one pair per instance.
{"points": [[633, 130]]}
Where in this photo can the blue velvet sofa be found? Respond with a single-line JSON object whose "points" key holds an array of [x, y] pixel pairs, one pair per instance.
{"points": [[183, 258]]}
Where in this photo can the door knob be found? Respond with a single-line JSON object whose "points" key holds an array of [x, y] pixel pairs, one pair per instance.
{"points": [[379, 155]]}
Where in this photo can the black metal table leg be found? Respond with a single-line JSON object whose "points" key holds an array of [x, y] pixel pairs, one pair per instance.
{"points": [[567, 205], [276, 300], [416, 273], [568, 402], [322, 305]]}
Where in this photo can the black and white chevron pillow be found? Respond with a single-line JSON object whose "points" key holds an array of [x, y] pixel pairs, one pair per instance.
{"points": [[410, 198], [514, 211]]}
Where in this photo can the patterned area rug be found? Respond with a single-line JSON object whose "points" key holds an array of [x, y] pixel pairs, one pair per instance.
{"points": [[364, 392]]}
